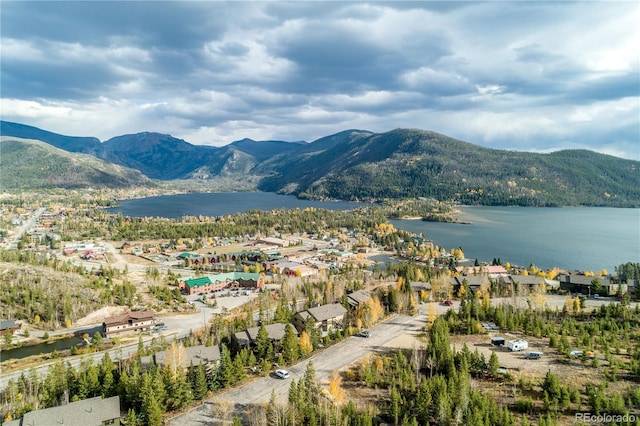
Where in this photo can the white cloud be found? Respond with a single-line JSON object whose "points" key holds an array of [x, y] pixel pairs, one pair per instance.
{"points": [[524, 75]]}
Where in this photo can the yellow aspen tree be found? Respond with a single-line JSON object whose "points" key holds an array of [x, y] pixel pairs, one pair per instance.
{"points": [[175, 355], [335, 388], [306, 347], [379, 364], [432, 312], [486, 300], [568, 303]]}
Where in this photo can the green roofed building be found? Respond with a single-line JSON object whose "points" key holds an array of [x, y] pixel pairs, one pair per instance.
{"points": [[232, 280]]}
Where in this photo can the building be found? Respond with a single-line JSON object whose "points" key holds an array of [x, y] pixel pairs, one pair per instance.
{"points": [[211, 283], [208, 356], [8, 326], [358, 298], [580, 283], [88, 412], [275, 241], [493, 271], [127, 323], [249, 336], [325, 318], [531, 282]]}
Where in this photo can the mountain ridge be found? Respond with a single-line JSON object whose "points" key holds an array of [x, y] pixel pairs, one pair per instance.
{"points": [[401, 163]]}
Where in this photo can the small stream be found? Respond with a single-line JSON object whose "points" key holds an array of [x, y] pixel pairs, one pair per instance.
{"points": [[42, 348]]}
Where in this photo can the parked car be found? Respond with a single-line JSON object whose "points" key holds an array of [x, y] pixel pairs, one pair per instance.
{"points": [[447, 303], [364, 333], [282, 374], [533, 355]]}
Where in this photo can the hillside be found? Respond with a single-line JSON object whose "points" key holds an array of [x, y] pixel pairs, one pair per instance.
{"points": [[29, 164], [361, 165], [411, 163], [161, 156]]}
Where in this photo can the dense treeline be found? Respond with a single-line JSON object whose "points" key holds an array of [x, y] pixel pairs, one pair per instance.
{"points": [[99, 223], [628, 271]]}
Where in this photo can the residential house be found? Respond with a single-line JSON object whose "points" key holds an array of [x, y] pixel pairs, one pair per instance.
{"points": [[208, 356], [493, 271], [530, 282], [475, 282], [580, 283], [249, 336], [325, 318], [418, 288], [128, 322], [358, 298], [8, 326], [87, 412]]}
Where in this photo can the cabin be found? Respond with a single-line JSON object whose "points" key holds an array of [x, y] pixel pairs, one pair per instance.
{"points": [[136, 321], [325, 318]]}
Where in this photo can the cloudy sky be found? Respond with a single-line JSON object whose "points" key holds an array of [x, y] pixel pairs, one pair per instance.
{"points": [[531, 76]]}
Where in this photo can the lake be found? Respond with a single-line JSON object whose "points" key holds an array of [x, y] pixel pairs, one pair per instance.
{"points": [[219, 204], [586, 238], [583, 238]]}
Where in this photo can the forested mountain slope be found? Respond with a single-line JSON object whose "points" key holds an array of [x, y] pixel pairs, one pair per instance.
{"points": [[411, 163]]}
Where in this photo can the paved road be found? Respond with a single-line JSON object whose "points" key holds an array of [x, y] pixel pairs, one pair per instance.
{"points": [[337, 357]]}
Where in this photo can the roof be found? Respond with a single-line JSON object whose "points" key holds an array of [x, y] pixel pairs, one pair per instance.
{"points": [[228, 276], [473, 280], [6, 324], [193, 354], [136, 315], [325, 312], [275, 332], [420, 285], [88, 412], [358, 297], [197, 282], [484, 269]]}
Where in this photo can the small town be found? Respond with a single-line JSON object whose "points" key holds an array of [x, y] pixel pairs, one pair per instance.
{"points": [[233, 320]]}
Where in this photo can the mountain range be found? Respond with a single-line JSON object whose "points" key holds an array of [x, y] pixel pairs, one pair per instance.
{"points": [[350, 165]]}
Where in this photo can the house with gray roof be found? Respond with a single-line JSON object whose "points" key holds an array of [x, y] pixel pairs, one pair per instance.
{"points": [[580, 283], [87, 412], [325, 318], [208, 356], [358, 298], [249, 336]]}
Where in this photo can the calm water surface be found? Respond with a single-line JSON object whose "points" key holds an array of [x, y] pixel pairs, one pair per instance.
{"points": [[589, 238], [219, 204], [571, 238]]}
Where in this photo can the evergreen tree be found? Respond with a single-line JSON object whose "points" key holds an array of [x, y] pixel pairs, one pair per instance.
{"points": [[264, 347], [151, 411], [131, 419], [226, 376], [290, 348], [199, 382]]}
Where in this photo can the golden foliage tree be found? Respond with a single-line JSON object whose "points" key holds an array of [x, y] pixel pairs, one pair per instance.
{"points": [[306, 347], [335, 387], [432, 312], [175, 355]]}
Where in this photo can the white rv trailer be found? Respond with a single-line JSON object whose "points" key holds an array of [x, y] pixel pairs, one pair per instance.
{"points": [[517, 345]]}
